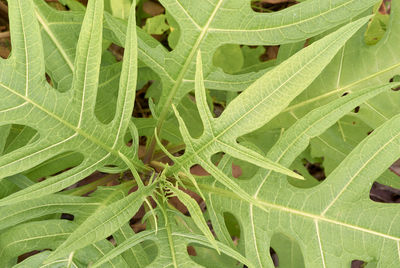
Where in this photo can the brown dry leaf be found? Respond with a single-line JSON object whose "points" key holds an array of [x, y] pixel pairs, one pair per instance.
{"points": [[198, 171], [4, 52], [138, 227], [153, 8], [271, 52], [191, 251], [236, 171]]}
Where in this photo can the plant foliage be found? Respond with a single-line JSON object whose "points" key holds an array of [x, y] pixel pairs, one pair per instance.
{"points": [[68, 109]]}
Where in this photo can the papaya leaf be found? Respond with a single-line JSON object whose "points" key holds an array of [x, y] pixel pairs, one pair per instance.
{"points": [[67, 121], [246, 113], [239, 146]]}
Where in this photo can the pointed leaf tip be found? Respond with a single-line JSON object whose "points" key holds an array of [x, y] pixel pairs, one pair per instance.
{"points": [[196, 215]]}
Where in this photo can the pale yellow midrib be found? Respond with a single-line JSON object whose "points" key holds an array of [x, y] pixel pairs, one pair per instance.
{"points": [[66, 123]]}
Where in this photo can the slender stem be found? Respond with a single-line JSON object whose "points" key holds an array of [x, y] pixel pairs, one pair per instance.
{"points": [[209, 189], [160, 154], [150, 208], [90, 187], [165, 111], [169, 235], [150, 149], [151, 155], [158, 165], [133, 169]]}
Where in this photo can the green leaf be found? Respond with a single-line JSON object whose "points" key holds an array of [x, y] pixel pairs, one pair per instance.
{"points": [[127, 244], [56, 28], [209, 258], [207, 30], [80, 207], [317, 121], [156, 25], [41, 235], [288, 248], [106, 221], [376, 27], [172, 243], [301, 205], [196, 214], [7, 188], [354, 68], [274, 91], [73, 4], [77, 128], [119, 8], [136, 255], [272, 116], [229, 57], [60, 32]]}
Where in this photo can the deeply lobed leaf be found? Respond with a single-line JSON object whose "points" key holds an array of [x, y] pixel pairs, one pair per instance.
{"points": [[72, 117]]}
